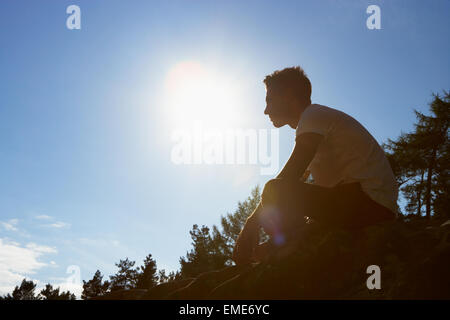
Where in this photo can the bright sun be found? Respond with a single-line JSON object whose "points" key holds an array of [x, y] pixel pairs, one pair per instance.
{"points": [[195, 92]]}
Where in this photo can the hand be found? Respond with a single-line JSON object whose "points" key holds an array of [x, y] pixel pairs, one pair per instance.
{"points": [[246, 242]]}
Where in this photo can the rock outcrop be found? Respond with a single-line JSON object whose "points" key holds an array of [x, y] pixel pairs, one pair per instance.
{"points": [[413, 257]]}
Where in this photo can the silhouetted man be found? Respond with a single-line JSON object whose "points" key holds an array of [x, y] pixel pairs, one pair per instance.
{"points": [[353, 184]]}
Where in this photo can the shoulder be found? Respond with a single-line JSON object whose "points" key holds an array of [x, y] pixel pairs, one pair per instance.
{"points": [[319, 114], [317, 118], [319, 111]]}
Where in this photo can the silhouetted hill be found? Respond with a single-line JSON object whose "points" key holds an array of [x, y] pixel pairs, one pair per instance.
{"points": [[413, 256]]}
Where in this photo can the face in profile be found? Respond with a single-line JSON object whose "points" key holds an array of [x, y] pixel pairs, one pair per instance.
{"points": [[277, 108]]}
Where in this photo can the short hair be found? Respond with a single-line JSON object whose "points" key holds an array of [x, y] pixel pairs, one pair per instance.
{"points": [[293, 78]]}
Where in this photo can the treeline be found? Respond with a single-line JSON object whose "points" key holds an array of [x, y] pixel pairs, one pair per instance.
{"points": [[420, 161], [26, 291], [211, 250]]}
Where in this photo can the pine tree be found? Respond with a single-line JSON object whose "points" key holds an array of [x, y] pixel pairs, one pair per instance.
{"points": [[48, 293], [126, 276], [94, 287], [172, 276], [212, 250], [420, 160], [204, 256], [147, 276], [24, 292]]}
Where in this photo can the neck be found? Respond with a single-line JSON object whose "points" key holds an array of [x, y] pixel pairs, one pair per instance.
{"points": [[296, 118]]}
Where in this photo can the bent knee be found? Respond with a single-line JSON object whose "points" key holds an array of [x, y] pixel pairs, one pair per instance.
{"points": [[272, 189], [269, 187]]}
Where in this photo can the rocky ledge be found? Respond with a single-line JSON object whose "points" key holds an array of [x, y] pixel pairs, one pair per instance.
{"points": [[413, 258]]}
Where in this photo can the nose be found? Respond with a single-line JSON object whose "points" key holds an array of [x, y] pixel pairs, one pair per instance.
{"points": [[266, 110]]}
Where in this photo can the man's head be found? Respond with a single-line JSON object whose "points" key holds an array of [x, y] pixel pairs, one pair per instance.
{"points": [[288, 93]]}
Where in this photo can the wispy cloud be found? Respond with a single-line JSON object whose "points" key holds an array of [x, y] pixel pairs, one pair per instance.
{"points": [[10, 225], [17, 262], [50, 224], [58, 225], [43, 217], [99, 243]]}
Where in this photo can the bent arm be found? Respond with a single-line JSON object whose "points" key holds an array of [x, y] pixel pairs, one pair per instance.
{"points": [[304, 151], [305, 148]]}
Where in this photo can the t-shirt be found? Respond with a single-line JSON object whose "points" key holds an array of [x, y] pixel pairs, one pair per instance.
{"points": [[348, 153]]}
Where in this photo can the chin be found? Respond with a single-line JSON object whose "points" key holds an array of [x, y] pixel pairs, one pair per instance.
{"points": [[277, 124]]}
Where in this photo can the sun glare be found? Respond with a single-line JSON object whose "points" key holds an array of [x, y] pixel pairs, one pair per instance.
{"points": [[196, 93]]}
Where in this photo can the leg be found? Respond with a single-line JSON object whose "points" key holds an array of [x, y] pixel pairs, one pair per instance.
{"points": [[285, 203]]}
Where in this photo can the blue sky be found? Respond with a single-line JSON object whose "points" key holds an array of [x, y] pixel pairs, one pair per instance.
{"points": [[86, 121]]}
